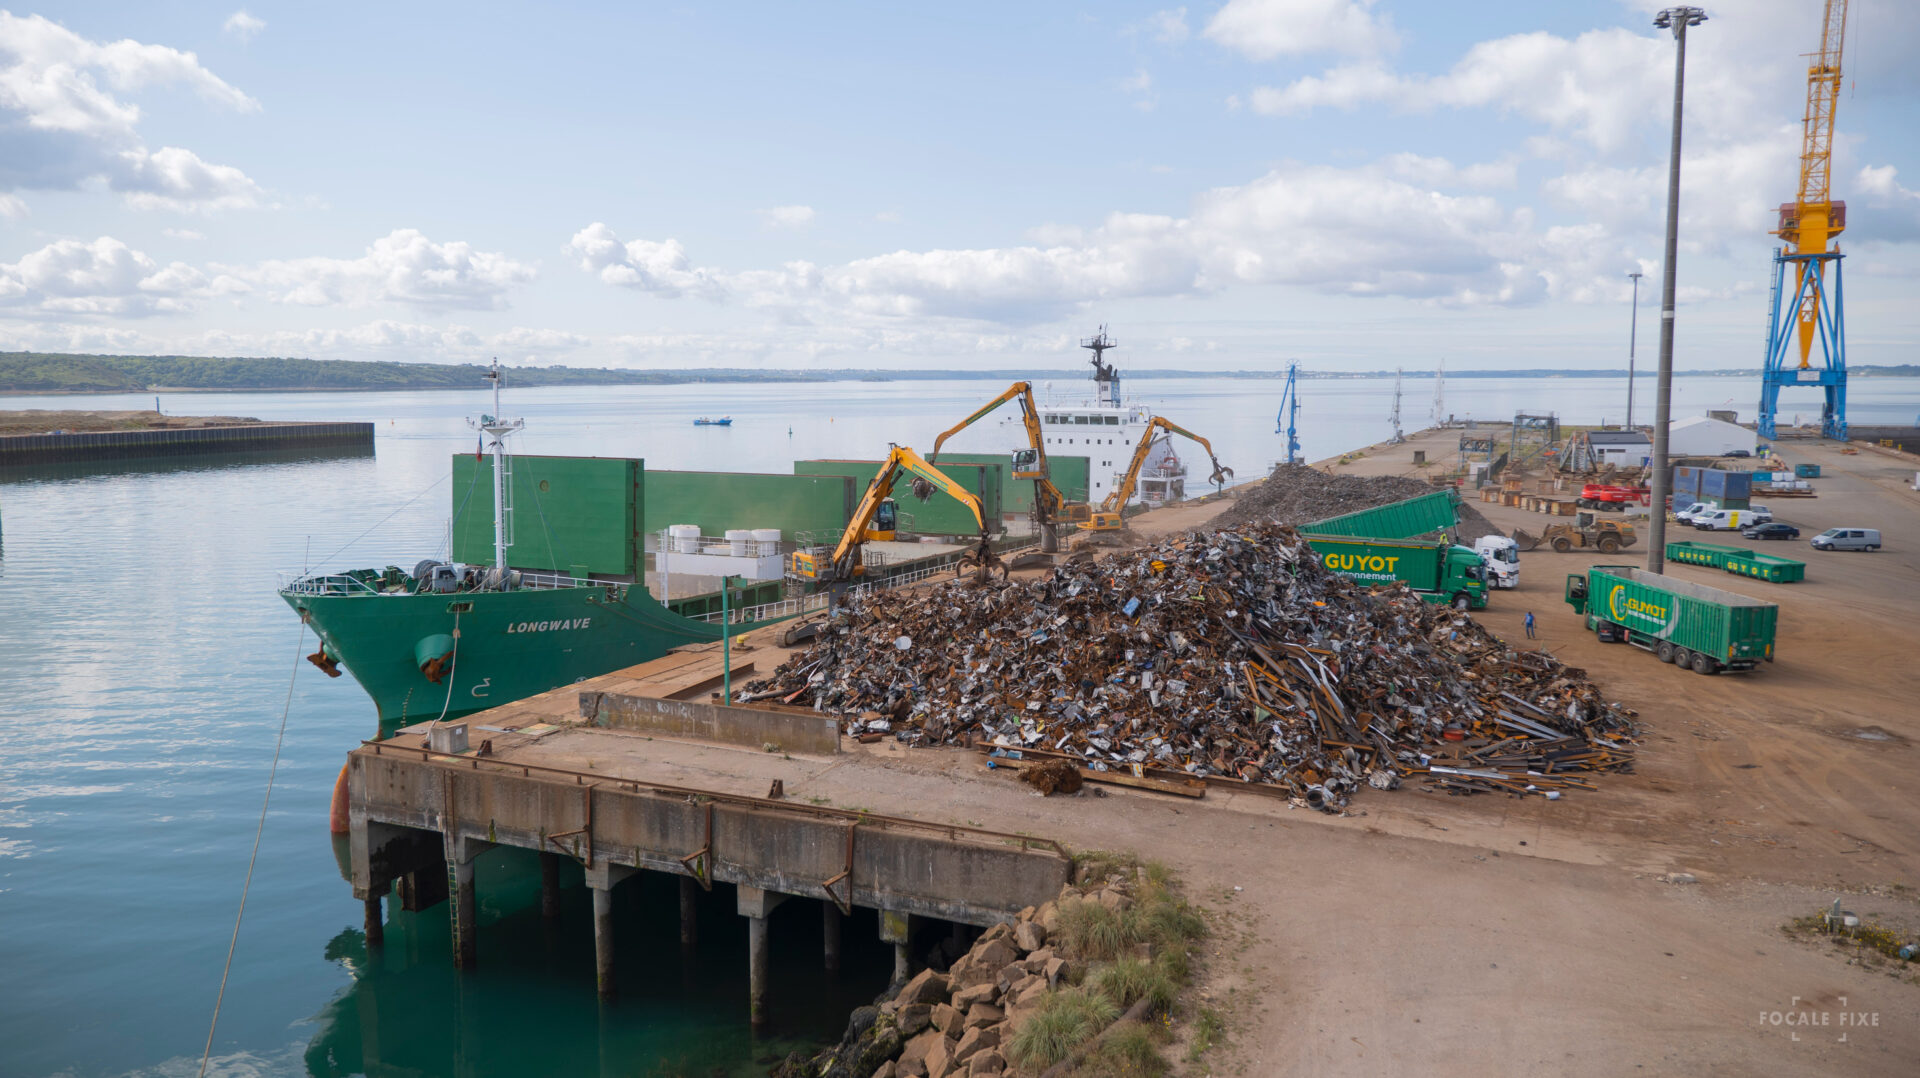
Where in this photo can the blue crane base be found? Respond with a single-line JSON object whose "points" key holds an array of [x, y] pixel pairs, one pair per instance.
{"points": [[1816, 286]]}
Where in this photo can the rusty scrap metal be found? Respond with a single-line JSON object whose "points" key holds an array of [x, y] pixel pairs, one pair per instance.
{"points": [[1229, 655]]}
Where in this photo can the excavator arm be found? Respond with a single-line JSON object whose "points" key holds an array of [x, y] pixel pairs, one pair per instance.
{"points": [[1107, 517], [846, 555], [1050, 505]]}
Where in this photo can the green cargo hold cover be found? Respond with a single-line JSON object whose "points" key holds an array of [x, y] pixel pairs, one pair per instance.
{"points": [[722, 501], [567, 511]]}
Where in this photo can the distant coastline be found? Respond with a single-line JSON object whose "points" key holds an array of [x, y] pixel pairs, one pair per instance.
{"points": [[49, 373]]}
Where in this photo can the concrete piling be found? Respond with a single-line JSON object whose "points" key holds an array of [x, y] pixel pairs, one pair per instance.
{"points": [[689, 915], [897, 928], [549, 884], [755, 904], [375, 925], [465, 935], [602, 879], [830, 929]]}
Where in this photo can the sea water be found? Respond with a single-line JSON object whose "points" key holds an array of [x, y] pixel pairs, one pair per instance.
{"points": [[146, 662]]}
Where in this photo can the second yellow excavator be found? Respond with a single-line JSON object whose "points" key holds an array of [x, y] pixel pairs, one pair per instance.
{"points": [[1050, 507], [1107, 517], [874, 520]]}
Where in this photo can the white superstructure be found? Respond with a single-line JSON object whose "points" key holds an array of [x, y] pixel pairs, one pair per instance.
{"points": [[1106, 432]]}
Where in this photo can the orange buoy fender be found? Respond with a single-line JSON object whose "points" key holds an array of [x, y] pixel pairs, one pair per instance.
{"points": [[337, 815]]}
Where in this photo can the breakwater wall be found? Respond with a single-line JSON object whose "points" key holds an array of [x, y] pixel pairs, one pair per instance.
{"points": [[30, 449]]}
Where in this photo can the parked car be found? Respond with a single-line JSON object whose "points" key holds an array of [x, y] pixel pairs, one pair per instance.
{"points": [[1736, 453], [1847, 539], [1770, 531], [1756, 514]]}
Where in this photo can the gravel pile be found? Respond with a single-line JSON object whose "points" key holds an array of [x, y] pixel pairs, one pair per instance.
{"points": [[1296, 494]]}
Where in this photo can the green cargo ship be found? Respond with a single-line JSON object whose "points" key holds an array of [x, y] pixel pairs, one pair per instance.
{"points": [[451, 638]]}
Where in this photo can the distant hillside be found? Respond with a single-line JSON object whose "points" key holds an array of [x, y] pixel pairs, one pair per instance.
{"points": [[53, 372]]}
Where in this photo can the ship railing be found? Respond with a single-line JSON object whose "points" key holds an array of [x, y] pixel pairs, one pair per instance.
{"points": [[324, 584], [716, 545], [556, 581]]}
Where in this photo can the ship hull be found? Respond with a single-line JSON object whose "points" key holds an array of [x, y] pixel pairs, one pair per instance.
{"points": [[510, 645]]}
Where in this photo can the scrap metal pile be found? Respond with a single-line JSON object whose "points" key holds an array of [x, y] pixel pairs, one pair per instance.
{"points": [[1297, 494], [1231, 656]]}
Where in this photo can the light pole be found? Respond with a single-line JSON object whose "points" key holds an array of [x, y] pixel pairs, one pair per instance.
{"points": [[1676, 19], [1633, 334]]}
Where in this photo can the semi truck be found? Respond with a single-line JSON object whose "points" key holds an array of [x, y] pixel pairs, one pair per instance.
{"points": [[1680, 622], [1438, 571]]}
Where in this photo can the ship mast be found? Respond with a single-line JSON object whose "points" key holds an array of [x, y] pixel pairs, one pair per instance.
{"points": [[499, 428], [1106, 379]]}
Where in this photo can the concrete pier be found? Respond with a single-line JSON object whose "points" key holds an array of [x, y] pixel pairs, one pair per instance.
{"points": [[549, 884], [600, 797], [830, 932], [376, 927], [32, 449], [689, 914]]}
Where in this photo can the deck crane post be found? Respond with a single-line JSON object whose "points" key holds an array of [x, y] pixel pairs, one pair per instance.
{"points": [[1810, 308], [1050, 507]]}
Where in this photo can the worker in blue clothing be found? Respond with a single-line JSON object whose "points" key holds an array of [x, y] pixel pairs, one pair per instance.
{"points": [[1530, 625]]}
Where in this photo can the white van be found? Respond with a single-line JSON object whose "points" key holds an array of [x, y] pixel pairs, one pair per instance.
{"points": [[1720, 520], [1685, 516], [1847, 539]]}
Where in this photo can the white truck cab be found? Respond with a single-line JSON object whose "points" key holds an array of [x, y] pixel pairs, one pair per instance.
{"points": [[1501, 556]]}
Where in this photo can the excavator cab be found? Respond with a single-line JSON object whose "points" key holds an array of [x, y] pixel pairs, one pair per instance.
{"points": [[1027, 464], [886, 523]]}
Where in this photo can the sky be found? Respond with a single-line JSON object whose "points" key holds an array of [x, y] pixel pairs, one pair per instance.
{"points": [[1352, 184]]}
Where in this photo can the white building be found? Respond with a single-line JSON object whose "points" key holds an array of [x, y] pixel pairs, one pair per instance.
{"points": [[1702, 436], [1620, 448]]}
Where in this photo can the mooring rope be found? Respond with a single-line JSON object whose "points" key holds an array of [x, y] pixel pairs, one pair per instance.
{"points": [[453, 668], [389, 516], [259, 830]]}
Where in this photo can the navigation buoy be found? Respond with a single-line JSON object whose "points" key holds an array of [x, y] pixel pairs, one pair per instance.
{"points": [[337, 815]]}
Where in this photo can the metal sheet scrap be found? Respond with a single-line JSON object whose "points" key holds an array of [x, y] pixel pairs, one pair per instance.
{"points": [[1227, 654]]}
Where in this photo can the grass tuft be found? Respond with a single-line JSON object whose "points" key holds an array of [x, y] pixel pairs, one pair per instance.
{"points": [[1130, 1052], [1064, 1020], [1209, 1031], [1129, 980]]}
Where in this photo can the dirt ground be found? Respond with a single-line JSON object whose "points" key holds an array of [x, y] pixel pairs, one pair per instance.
{"points": [[43, 421], [1436, 935]]}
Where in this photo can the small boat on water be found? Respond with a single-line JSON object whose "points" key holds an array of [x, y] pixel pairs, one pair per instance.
{"points": [[723, 421]]}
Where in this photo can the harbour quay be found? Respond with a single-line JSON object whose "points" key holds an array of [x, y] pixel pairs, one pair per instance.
{"points": [[19, 450], [747, 806]]}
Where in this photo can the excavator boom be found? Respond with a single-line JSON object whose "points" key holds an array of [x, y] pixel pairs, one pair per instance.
{"points": [[844, 564], [1050, 505], [1108, 516]]}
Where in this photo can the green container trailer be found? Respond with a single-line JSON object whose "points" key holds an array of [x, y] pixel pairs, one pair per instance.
{"points": [[1767, 567], [1739, 561], [1417, 515], [1681, 622], [1438, 571], [1688, 553]]}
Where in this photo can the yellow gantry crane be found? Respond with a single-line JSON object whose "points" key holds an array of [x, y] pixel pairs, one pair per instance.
{"points": [[1808, 227], [1107, 517], [1050, 507], [875, 520]]}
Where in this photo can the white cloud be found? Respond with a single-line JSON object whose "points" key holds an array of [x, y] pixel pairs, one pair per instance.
{"points": [[1440, 172], [401, 267], [243, 26], [1169, 26], [1265, 29], [1140, 86], [888, 217], [60, 128], [11, 207], [661, 268], [176, 179], [182, 234], [1363, 231], [104, 277], [787, 216], [1895, 208]]}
